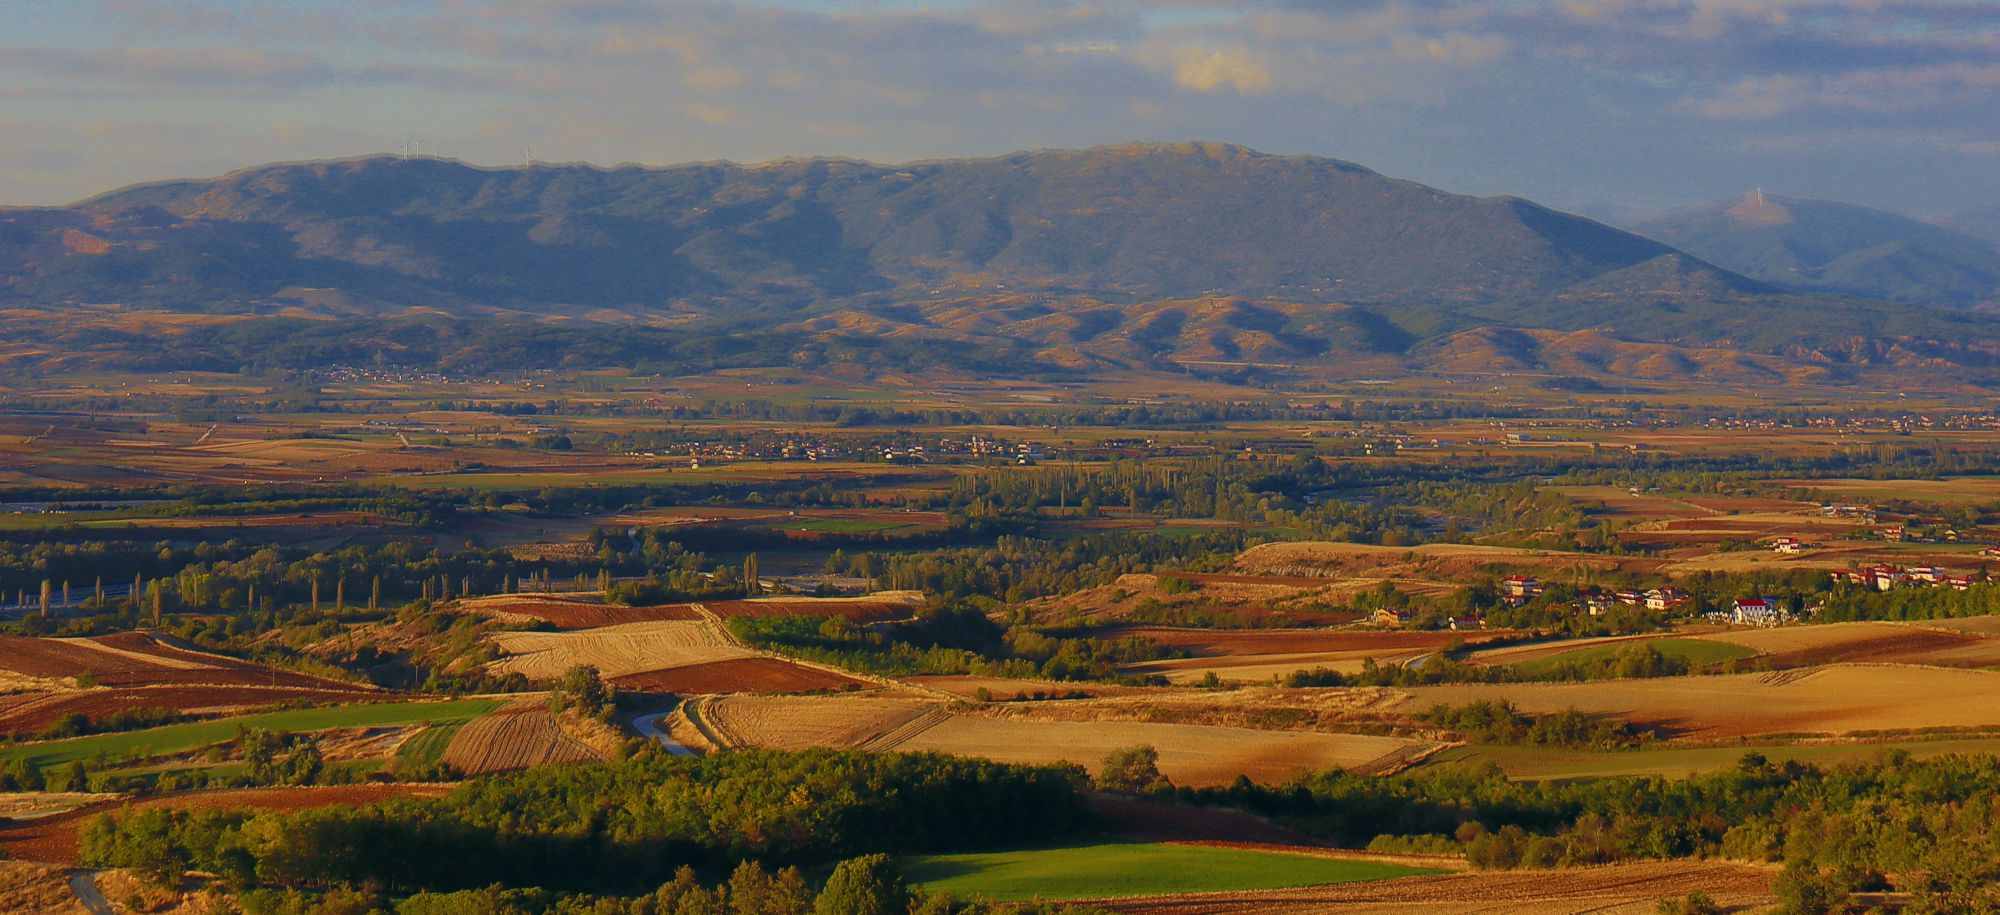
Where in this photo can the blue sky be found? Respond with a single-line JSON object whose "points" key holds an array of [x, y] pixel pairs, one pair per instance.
{"points": [[1603, 105]]}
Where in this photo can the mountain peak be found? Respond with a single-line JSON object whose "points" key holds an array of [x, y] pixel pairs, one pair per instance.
{"points": [[1755, 209]]}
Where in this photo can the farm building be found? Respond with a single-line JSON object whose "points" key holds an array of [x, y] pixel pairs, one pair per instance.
{"points": [[1519, 589], [1788, 545], [1757, 611], [1666, 598]]}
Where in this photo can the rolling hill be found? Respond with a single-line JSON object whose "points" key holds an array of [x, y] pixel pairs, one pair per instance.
{"points": [[1182, 257], [1821, 245]]}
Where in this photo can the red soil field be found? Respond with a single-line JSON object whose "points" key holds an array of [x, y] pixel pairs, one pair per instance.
{"points": [[859, 610], [738, 675], [1914, 647], [157, 663], [52, 839], [31, 713]]}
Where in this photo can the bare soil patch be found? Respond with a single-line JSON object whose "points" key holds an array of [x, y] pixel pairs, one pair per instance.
{"points": [[1810, 646], [738, 675]]}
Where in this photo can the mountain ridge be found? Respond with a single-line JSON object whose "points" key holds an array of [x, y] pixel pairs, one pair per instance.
{"points": [[1138, 255]]}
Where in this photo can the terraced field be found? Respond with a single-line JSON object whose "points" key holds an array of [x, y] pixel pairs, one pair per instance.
{"points": [[515, 737]]}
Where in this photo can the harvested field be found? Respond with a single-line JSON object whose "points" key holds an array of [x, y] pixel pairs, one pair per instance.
{"points": [[616, 651], [1191, 754], [516, 737], [806, 722], [738, 675], [572, 612], [1625, 889], [53, 839], [1977, 625], [1831, 700], [1807, 646], [28, 886], [1260, 654]]}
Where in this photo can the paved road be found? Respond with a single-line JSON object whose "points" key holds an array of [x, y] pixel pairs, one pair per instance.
{"points": [[84, 884], [649, 726]]}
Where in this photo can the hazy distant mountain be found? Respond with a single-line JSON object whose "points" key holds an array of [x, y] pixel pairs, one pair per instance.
{"points": [[1822, 245], [1138, 220], [1156, 256], [1981, 222]]}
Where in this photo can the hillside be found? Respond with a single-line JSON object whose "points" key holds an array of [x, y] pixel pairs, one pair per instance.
{"points": [[1979, 222], [1179, 257], [1837, 247]]}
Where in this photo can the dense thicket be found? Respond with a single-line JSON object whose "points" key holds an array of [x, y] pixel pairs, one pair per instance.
{"points": [[622, 825]]}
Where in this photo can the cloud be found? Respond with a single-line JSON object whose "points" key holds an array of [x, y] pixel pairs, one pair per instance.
{"points": [[1209, 71], [1492, 94]]}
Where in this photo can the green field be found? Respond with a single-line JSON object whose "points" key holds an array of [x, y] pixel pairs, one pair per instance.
{"points": [[180, 738], [1698, 652], [428, 745], [1538, 763], [1132, 869]]}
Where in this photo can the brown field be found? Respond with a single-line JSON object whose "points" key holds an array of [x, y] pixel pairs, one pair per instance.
{"points": [[1838, 699], [1191, 754], [1954, 491], [739, 675], [616, 651], [805, 722], [1618, 889], [1902, 643], [515, 737], [968, 686], [1444, 562], [53, 839], [30, 713], [886, 605], [571, 612], [1260, 654], [138, 659]]}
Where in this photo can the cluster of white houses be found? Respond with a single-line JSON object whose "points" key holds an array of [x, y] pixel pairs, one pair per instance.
{"points": [[1886, 577]]}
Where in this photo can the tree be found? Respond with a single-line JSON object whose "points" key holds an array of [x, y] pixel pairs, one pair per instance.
{"points": [[581, 688], [868, 885], [1130, 770], [751, 579]]}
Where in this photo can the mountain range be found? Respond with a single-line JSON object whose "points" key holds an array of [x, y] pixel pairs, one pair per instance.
{"points": [[1141, 256], [1805, 244]]}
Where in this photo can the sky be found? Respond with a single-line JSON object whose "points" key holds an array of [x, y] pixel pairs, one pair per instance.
{"points": [[1611, 107]]}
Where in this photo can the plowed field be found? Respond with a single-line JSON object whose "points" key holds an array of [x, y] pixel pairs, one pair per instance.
{"points": [[740, 675], [513, 738]]}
